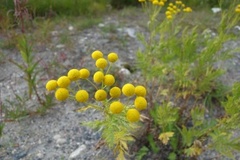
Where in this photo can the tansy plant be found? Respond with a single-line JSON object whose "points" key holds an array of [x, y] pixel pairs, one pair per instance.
{"points": [[120, 107]]}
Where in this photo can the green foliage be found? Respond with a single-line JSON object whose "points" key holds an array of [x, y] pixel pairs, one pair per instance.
{"points": [[141, 153]]}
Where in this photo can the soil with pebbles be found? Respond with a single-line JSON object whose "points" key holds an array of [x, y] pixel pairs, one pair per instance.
{"points": [[58, 133]]}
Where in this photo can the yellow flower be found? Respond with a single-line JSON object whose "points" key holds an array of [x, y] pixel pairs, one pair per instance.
{"points": [[115, 92], [98, 77], [133, 115], [82, 96], [100, 95], [140, 91], [101, 63], [112, 57], [170, 4], [188, 9], [164, 137], [84, 73], [116, 107], [155, 2], [128, 89], [109, 80], [179, 2], [237, 10], [51, 85], [61, 94], [161, 3], [168, 13], [63, 82], [140, 103], [169, 17], [73, 74], [97, 54]]}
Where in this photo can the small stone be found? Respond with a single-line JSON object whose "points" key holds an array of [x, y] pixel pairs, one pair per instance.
{"points": [[70, 28], [77, 152]]}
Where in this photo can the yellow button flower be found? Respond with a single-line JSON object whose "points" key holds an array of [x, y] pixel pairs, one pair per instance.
{"points": [[109, 80], [61, 94], [128, 89], [161, 3], [155, 2], [115, 92], [100, 95], [116, 107], [140, 91], [112, 57], [63, 82], [98, 77], [51, 85], [73, 74], [97, 54], [133, 115], [101, 63], [84, 73], [140, 103], [82, 96]]}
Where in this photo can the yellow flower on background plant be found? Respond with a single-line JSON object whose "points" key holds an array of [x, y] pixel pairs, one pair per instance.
{"points": [[155, 2], [115, 92], [128, 90], [112, 57], [140, 91], [97, 54], [73, 74], [140, 103], [98, 77], [82, 96], [109, 80], [100, 95], [63, 82], [116, 107], [84, 73], [61, 94], [188, 9], [133, 115], [237, 9], [51, 85], [101, 63], [165, 137]]}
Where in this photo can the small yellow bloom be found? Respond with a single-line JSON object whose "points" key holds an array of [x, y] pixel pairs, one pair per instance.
{"points": [[112, 57], [73, 74], [84, 73], [101, 63], [61, 94], [100, 95], [140, 91], [169, 17], [109, 80], [63, 82], [161, 3], [115, 92], [128, 90], [51, 85], [133, 115], [168, 13], [188, 9], [97, 54], [98, 77], [155, 2], [170, 4], [82, 96], [164, 137], [116, 107], [140, 103], [237, 10]]}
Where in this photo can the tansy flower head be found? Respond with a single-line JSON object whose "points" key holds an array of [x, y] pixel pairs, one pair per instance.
{"points": [[188, 9], [109, 80], [161, 3], [100, 95], [73, 74], [61, 94], [140, 91], [63, 82], [133, 115], [82, 96], [101, 63], [84, 73], [112, 57], [116, 107], [164, 137], [51, 85], [128, 89], [97, 54], [140, 103], [98, 77], [155, 2], [115, 92]]}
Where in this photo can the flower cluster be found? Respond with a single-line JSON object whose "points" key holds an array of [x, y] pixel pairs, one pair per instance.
{"points": [[237, 10], [176, 8], [106, 93], [155, 2]]}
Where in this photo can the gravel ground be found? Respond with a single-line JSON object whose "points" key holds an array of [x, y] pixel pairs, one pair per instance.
{"points": [[57, 134]]}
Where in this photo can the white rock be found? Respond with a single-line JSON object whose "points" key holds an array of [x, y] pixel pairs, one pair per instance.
{"points": [[216, 10], [70, 28], [101, 25], [60, 46], [77, 152], [237, 27], [124, 72]]}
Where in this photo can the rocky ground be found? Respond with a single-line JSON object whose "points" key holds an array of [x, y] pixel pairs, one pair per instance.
{"points": [[58, 134]]}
